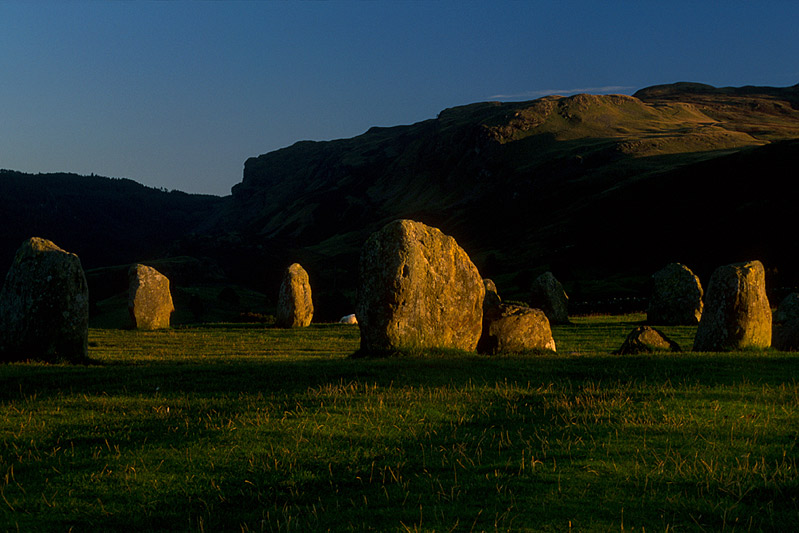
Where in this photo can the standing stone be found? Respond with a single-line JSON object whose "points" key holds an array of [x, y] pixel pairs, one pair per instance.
{"points": [[149, 298], [737, 314], [676, 297], [294, 304], [492, 298], [417, 289], [646, 339], [44, 306], [786, 324], [549, 296], [513, 328]]}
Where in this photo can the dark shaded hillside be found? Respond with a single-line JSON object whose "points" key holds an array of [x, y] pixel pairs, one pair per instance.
{"points": [[105, 221], [728, 209]]}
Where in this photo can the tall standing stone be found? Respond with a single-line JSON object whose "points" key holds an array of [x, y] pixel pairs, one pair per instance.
{"points": [[676, 298], [295, 304], [548, 295], [149, 298], [44, 306], [737, 314], [417, 289]]}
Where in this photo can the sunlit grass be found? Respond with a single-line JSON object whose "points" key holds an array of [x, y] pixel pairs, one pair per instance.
{"points": [[243, 428]]}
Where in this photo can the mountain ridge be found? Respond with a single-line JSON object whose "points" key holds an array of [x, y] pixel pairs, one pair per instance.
{"points": [[558, 183], [525, 167]]}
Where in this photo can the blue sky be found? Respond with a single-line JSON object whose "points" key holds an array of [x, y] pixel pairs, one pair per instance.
{"points": [[179, 94]]}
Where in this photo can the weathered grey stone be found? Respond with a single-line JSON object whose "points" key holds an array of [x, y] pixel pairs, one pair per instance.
{"points": [[548, 295], [676, 297], [149, 298], [44, 306], [646, 339], [417, 289], [295, 304], [513, 328], [737, 314], [785, 333]]}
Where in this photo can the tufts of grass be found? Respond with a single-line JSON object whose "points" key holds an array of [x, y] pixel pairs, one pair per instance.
{"points": [[244, 428]]}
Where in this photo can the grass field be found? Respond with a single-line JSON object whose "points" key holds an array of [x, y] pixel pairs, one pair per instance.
{"points": [[246, 428]]}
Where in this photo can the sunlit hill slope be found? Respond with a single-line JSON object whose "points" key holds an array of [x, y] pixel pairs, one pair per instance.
{"points": [[598, 189]]}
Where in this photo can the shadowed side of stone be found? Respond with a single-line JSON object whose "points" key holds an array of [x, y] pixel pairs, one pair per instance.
{"points": [[646, 339], [548, 295], [737, 315], [295, 303], [44, 306], [785, 334], [417, 289], [676, 297], [149, 298], [492, 298]]}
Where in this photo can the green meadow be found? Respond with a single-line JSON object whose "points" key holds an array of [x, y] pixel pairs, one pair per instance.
{"points": [[241, 427]]}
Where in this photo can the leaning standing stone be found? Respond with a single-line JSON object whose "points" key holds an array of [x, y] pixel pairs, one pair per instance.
{"points": [[149, 298], [492, 298], [513, 328], [417, 289], [737, 314], [294, 305], [548, 295], [676, 297], [44, 306]]}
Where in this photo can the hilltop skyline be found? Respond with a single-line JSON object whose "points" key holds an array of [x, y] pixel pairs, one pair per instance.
{"points": [[178, 95]]}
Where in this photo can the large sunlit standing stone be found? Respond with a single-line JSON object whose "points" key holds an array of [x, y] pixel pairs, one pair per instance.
{"points": [[737, 315], [417, 289], [149, 298]]}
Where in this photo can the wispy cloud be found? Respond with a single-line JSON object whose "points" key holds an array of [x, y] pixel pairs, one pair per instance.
{"points": [[564, 92]]}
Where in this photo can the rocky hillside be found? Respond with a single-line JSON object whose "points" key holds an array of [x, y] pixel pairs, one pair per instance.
{"points": [[599, 189]]}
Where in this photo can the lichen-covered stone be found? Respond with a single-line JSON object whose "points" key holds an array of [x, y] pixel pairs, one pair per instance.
{"points": [[676, 297], [646, 339], [785, 333], [149, 298], [44, 306], [417, 289], [513, 328], [737, 314], [295, 303], [548, 295]]}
